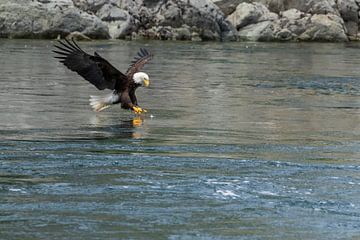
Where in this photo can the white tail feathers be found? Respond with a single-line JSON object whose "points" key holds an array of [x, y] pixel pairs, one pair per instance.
{"points": [[99, 103]]}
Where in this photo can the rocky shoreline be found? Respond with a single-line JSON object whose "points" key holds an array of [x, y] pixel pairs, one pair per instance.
{"points": [[193, 20]]}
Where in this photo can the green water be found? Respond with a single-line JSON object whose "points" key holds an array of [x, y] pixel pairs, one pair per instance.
{"points": [[241, 141]]}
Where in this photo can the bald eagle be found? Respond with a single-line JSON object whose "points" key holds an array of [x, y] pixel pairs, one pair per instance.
{"points": [[103, 75]]}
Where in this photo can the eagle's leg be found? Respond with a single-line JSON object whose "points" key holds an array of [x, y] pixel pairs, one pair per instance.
{"points": [[138, 110]]}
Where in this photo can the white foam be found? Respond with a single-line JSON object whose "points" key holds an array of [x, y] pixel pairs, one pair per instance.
{"points": [[17, 190], [227, 193], [268, 193]]}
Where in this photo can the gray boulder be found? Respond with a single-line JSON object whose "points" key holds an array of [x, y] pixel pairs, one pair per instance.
{"points": [[183, 33], [277, 6], [92, 6], [35, 19], [202, 16], [250, 13], [262, 31], [260, 20], [119, 21], [294, 25], [324, 28], [306, 6], [166, 33], [78, 36], [298, 20], [293, 14], [349, 11], [228, 6], [295, 22]]}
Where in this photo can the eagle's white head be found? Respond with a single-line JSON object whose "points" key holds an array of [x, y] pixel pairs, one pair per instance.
{"points": [[141, 78]]}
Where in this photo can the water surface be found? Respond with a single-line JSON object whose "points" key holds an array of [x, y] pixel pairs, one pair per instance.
{"points": [[241, 141]]}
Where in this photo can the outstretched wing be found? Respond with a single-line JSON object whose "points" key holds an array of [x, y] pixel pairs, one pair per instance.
{"points": [[139, 61], [94, 69]]}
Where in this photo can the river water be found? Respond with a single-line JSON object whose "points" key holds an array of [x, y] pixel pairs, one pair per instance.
{"points": [[241, 141]]}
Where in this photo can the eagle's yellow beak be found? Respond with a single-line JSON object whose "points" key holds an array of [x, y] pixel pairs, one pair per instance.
{"points": [[146, 82]]}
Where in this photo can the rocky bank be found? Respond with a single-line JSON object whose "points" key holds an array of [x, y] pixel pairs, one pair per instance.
{"points": [[196, 20]]}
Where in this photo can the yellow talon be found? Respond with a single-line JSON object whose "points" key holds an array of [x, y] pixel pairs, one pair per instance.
{"points": [[138, 110]]}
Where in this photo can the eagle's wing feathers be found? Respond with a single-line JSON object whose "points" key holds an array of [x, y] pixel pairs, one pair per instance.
{"points": [[139, 61], [94, 69]]}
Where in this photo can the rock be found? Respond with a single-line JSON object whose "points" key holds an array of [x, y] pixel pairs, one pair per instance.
{"points": [[118, 21], [292, 14], [164, 33], [352, 28], [291, 26], [159, 19], [284, 35], [227, 6], [71, 20], [322, 7], [195, 37], [349, 12], [325, 28], [202, 14], [78, 36], [205, 15], [306, 6], [304, 20], [91, 5], [295, 25], [260, 20], [110, 13], [24, 19], [262, 31], [183, 33], [132, 6], [250, 13], [277, 6]]}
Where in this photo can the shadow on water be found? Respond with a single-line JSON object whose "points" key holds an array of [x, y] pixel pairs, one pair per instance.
{"points": [[126, 129], [96, 130]]}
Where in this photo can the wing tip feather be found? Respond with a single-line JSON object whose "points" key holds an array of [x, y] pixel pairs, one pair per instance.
{"points": [[69, 46]]}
